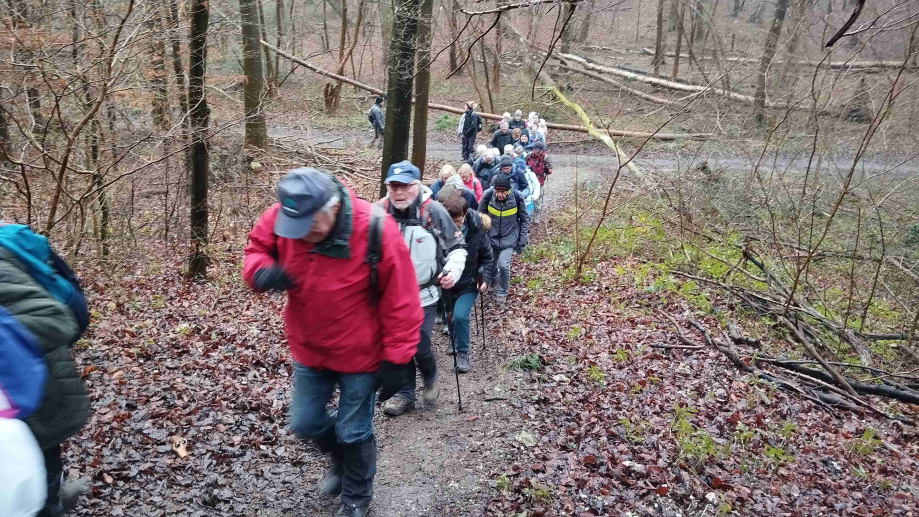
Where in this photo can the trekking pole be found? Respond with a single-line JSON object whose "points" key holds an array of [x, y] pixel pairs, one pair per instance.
{"points": [[482, 321], [459, 397]]}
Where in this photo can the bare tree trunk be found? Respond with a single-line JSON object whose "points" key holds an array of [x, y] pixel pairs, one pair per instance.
{"points": [[256, 132], [491, 101], [637, 20], [496, 65], [679, 39], [422, 85], [160, 102], [451, 21], [271, 75], [386, 28], [585, 25], [567, 34], [775, 30], [171, 11], [659, 41], [399, 90], [324, 37], [279, 14], [200, 119], [332, 91]]}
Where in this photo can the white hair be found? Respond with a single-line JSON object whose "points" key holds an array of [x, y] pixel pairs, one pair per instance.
{"points": [[480, 150], [495, 153], [506, 115], [509, 149], [331, 203], [504, 124]]}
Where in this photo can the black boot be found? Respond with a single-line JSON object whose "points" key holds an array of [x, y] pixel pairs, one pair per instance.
{"points": [[357, 483], [352, 510], [330, 484]]}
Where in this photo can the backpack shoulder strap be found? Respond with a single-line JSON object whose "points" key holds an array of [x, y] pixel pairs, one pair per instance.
{"points": [[375, 248]]}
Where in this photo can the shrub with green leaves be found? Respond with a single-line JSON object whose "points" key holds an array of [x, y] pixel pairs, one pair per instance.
{"points": [[446, 121]]}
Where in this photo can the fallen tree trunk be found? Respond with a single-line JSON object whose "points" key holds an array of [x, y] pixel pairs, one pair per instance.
{"points": [[835, 65], [663, 83], [607, 80], [490, 116], [860, 387]]}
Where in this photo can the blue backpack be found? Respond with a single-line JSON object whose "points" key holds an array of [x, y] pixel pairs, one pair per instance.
{"points": [[46, 268], [22, 369]]}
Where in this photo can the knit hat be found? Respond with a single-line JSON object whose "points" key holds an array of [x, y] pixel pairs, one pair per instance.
{"points": [[502, 182], [539, 145], [518, 113], [506, 161]]}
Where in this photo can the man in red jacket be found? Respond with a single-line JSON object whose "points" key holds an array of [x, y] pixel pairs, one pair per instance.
{"points": [[313, 244]]}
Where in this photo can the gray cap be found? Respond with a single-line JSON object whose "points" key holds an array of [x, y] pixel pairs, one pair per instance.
{"points": [[302, 192]]}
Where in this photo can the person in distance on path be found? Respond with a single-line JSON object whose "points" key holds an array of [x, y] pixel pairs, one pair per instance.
{"points": [[501, 137], [509, 230], [479, 262], [438, 253], [376, 119], [517, 121], [341, 329], [469, 127], [484, 168]]}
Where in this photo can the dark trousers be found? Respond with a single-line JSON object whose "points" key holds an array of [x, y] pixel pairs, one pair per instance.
{"points": [[424, 357], [468, 147], [377, 135], [55, 468]]}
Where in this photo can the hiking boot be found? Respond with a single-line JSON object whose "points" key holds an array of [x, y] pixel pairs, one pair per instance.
{"points": [[501, 298], [352, 510], [71, 491], [431, 390], [446, 330], [397, 406], [330, 484], [462, 362]]}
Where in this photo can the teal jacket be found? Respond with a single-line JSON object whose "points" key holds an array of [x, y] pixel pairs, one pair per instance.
{"points": [[64, 408]]}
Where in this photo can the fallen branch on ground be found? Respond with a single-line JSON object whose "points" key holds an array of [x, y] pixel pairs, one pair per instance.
{"points": [[490, 116]]}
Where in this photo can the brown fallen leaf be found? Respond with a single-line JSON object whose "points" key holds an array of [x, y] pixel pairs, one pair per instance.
{"points": [[107, 478], [472, 419], [178, 446], [662, 490]]}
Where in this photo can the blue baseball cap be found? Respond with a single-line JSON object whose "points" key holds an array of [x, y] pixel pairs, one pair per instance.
{"points": [[302, 192], [402, 172]]}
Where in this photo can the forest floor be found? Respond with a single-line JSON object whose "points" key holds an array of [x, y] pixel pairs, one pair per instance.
{"points": [[568, 410]]}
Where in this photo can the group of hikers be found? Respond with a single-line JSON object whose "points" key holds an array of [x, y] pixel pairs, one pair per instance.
{"points": [[365, 283]]}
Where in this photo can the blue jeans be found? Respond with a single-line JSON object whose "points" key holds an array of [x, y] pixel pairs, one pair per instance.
{"points": [[462, 306], [502, 269], [351, 428]]}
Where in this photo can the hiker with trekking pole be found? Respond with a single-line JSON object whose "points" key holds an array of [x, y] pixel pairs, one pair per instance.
{"points": [[352, 318], [438, 253], [462, 296]]}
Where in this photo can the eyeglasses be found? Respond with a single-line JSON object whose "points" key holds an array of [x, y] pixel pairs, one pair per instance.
{"points": [[399, 186]]}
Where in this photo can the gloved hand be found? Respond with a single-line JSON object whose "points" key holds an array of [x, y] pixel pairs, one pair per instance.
{"points": [[390, 379], [271, 278]]}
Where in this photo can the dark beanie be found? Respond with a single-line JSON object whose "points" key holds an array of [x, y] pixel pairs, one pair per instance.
{"points": [[539, 145], [380, 99], [507, 161], [502, 182]]}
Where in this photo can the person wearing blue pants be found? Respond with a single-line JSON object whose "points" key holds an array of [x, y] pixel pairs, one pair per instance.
{"points": [[478, 262]]}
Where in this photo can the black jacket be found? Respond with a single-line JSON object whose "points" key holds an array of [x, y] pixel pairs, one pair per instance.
{"points": [[484, 171], [479, 256], [522, 124], [499, 140], [471, 123], [510, 222]]}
